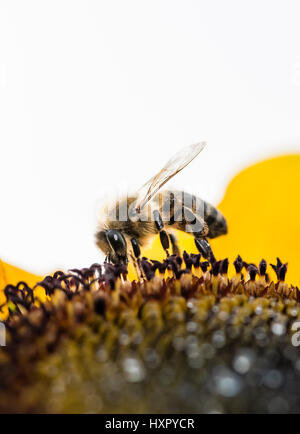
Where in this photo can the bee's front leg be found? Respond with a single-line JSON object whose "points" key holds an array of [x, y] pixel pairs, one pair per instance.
{"points": [[135, 248], [164, 238], [135, 256]]}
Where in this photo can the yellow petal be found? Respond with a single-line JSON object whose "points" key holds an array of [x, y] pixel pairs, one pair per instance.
{"points": [[12, 275], [263, 210]]}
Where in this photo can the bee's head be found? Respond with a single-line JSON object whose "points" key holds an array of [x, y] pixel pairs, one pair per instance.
{"points": [[113, 245]]}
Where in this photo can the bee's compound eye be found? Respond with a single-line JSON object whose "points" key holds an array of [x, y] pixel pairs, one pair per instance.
{"points": [[117, 241]]}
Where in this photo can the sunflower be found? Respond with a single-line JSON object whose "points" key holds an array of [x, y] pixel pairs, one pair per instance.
{"points": [[189, 335]]}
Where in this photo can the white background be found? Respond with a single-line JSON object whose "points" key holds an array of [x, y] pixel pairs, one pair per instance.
{"points": [[96, 95]]}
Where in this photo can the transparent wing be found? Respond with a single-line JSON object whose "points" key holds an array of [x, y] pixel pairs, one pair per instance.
{"points": [[178, 162]]}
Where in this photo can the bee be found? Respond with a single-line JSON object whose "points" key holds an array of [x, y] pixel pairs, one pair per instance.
{"points": [[131, 221]]}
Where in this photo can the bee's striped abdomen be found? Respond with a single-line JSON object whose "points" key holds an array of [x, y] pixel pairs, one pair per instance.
{"points": [[212, 216], [215, 220]]}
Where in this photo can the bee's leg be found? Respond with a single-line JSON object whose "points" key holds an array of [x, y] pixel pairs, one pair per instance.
{"points": [[138, 270], [164, 238], [188, 222], [135, 257], [204, 248], [136, 248], [175, 247]]}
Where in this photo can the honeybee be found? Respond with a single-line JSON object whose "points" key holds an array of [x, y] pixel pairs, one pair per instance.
{"points": [[131, 221]]}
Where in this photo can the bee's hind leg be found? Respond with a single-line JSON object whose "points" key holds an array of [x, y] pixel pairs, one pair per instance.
{"points": [[164, 238], [191, 223], [204, 248]]}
